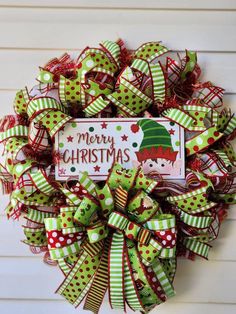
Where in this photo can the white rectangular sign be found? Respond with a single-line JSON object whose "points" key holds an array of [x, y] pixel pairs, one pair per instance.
{"points": [[92, 145]]}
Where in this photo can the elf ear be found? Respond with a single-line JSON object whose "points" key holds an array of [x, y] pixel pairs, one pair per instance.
{"points": [[136, 163]]}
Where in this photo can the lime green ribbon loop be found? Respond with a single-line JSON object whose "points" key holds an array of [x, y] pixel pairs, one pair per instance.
{"points": [[149, 247], [161, 222], [142, 207], [105, 199], [67, 220], [19, 131], [97, 232], [130, 178], [35, 236], [190, 63], [87, 211], [121, 176]]}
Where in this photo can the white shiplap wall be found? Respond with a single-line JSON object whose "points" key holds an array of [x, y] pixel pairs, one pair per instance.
{"points": [[31, 32]]}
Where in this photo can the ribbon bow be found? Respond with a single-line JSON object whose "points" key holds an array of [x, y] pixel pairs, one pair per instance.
{"points": [[106, 229]]}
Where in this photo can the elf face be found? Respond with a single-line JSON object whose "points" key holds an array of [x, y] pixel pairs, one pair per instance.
{"points": [[157, 166]]}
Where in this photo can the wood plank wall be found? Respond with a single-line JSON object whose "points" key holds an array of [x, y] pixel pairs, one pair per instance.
{"points": [[31, 32]]}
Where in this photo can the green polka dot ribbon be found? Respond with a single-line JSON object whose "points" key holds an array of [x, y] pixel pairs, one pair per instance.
{"points": [[122, 235], [202, 141]]}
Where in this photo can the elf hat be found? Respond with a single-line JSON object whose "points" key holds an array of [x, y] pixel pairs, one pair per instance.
{"points": [[156, 142]]}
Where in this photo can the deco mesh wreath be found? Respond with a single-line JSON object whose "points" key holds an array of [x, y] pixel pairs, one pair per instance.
{"points": [[95, 231]]}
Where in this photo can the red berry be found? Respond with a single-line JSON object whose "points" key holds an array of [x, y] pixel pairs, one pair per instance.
{"points": [[134, 128]]}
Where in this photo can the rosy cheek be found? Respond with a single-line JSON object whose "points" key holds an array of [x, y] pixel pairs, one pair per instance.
{"points": [[167, 168], [145, 169]]}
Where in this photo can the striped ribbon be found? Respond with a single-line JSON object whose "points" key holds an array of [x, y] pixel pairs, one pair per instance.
{"points": [[116, 269], [43, 103], [159, 89], [199, 222], [113, 49], [130, 290], [96, 106], [180, 117], [16, 131], [163, 279], [42, 182], [231, 126], [99, 286], [38, 216], [197, 247], [65, 268]]}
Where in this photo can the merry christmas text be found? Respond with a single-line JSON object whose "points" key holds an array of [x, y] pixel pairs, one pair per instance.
{"points": [[95, 148]]}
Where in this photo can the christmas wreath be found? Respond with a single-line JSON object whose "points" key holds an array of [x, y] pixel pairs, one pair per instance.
{"points": [[122, 234]]}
